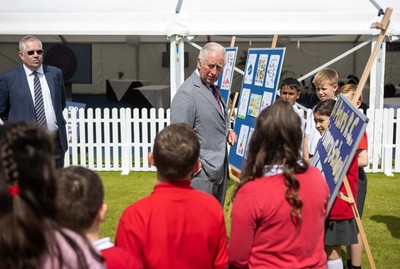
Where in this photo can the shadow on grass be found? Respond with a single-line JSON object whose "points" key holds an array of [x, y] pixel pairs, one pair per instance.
{"points": [[392, 223]]}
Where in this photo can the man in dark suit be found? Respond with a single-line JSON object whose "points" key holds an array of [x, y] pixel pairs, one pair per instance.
{"points": [[199, 104], [33, 92]]}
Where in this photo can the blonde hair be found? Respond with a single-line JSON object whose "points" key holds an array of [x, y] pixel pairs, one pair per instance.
{"points": [[349, 88], [326, 74]]}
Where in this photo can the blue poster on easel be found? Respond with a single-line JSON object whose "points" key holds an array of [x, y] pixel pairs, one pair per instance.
{"points": [[338, 144], [259, 87], [225, 79]]}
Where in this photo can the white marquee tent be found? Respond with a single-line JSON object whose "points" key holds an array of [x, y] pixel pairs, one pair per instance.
{"points": [[146, 20], [208, 17]]}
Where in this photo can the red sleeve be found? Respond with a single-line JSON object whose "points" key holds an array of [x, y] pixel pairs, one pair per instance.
{"points": [[363, 142], [117, 258], [221, 258], [127, 237], [243, 227]]}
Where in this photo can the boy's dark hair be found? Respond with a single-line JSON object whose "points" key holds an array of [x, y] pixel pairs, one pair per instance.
{"points": [[79, 197], [325, 107], [176, 151], [291, 83]]}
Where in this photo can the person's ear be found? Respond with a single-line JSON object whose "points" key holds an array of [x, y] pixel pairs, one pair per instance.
{"points": [[196, 168], [101, 214], [151, 159], [358, 104], [298, 95], [198, 64]]}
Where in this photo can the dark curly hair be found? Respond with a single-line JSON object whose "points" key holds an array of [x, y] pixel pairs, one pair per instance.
{"points": [[27, 193]]}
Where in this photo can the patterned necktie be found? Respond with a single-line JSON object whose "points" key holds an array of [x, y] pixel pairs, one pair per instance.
{"points": [[216, 95], [39, 105]]}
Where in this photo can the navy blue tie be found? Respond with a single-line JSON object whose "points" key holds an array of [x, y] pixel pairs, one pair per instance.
{"points": [[39, 105]]}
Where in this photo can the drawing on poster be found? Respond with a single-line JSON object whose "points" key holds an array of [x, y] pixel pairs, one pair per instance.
{"points": [[272, 70], [260, 74], [244, 100], [254, 105], [248, 76], [248, 141], [244, 131], [228, 70], [266, 100]]}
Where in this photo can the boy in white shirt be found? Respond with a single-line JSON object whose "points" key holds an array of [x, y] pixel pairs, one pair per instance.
{"points": [[326, 84], [290, 91]]}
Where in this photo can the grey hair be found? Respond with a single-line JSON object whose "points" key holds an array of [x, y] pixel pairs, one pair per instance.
{"points": [[25, 39], [211, 47]]}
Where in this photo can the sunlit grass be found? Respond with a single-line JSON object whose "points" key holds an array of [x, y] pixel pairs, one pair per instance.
{"points": [[381, 218]]}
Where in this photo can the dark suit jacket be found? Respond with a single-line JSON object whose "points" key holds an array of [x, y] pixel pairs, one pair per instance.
{"points": [[195, 105], [16, 102]]}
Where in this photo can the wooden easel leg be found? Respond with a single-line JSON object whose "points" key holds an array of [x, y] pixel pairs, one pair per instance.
{"points": [[359, 223], [383, 27], [234, 175]]}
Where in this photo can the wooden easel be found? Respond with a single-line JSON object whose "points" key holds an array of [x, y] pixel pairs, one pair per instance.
{"points": [[350, 199], [234, 174], [233, 104], [383, 25]]}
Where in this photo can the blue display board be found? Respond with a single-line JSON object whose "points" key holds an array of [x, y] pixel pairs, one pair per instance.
{"points": [[225, 79], [338, 144], [259, 87], [73, 107]]}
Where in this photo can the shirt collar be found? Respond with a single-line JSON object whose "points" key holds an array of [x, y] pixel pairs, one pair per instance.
{"points": [[103, 243], [28, 72], [272, 170], [184, 184]]}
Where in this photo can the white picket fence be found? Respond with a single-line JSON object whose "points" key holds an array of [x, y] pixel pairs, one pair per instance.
{"points": [[113, 139], [120, 139]]}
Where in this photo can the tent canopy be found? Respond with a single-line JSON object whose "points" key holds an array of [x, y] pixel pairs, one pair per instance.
{"points": [[208, 17]]}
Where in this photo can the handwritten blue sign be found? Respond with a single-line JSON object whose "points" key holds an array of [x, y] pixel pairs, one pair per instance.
{"points": [[338, 144]]}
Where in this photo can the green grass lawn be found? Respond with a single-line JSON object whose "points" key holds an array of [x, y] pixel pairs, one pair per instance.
{"points": [[381, 217]]}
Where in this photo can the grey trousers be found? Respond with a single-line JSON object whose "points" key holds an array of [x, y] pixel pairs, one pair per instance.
{"points": [[208, 186]]}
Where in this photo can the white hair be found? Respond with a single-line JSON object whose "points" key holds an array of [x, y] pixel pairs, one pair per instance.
{"points": [[211, 47]]}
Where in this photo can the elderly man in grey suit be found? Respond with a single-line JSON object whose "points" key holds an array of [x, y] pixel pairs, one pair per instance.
{"points": [[199, 104], [33, 92]]}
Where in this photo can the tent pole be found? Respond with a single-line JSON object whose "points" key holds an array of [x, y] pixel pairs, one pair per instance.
{"points": [[377, 77], [177, 61]]}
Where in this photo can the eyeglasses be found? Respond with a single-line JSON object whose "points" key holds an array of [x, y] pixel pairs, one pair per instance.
{"points": [[31, 52]]}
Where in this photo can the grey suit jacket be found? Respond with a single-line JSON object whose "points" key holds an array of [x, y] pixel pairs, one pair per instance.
{"points": [[16, 102], [195, 105]]}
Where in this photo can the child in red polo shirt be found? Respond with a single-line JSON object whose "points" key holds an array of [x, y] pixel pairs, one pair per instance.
{"points": [[354, 252], [175, 226], [340, 226]]}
